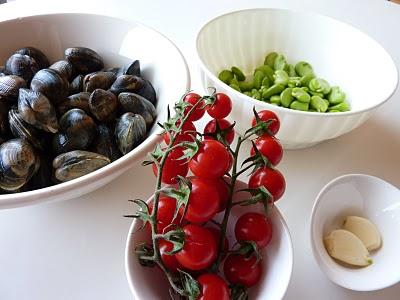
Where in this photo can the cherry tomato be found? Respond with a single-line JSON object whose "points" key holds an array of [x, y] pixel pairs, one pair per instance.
{"points": [[266, 115], [213, 287], [173, 167], [223, 190], [270, 148], [187, 135], [203, 201], [211, 161], [271, 179], [239, 269], [216, 232], [199, 250], [165, 213], [221, 108], [211, 127], [255, 227], [199, 111], [169, 260]]}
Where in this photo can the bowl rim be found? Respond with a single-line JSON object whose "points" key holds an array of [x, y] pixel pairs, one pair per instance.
{"points": [[255, 102], [129, 241], [13, 200], [316, 253]]}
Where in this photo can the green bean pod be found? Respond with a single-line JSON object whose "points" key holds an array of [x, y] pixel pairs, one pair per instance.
{"points": [[318, 104], [258, 79], [275, 99], [273, 90], [280, 62], [336, 95], [303, 68], [225, 76], [343, 106], [238, 73], [301, 95], [246, 85], [267, 70], [281, 77], [270, 59], [286, 97], [319, 85], [297, 105]]}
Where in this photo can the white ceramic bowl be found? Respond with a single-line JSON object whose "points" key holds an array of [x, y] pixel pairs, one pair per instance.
{"points": [[118, 42], [365, 196], [149, 283], [338, 52]]}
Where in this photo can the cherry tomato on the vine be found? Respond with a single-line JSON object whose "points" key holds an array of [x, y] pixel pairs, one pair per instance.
{"points": [[199, 111], [203, 201], [186, 135], [216, 232], [266, 115], [223, 191], [170, 261], [213, 287], [271, 179], [254, 227], [269, 147], [221, 108], [239, 269], [211, 127], [212, 160], [199, 250], [173, 167], [165, 213]]}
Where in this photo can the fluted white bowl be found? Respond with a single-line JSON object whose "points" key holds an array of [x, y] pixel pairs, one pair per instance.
{"points": [[338, 52], [118, 42]]}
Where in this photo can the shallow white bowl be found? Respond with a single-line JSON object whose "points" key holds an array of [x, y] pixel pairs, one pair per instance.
{"points": [[365, 196], [118, 42], [338, 52], [150, 283]]}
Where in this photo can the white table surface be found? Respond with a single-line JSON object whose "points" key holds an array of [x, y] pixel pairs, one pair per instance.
{"points": [[75, 249]]}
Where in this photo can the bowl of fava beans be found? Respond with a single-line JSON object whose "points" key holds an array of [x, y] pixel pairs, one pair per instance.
{"points": [[313, 71]]}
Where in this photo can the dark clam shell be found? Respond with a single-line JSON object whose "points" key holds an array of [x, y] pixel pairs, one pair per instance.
{"points": [[76, 85], [50, 83], [79, 100], [131, 102], [104, 143], [18, 163], [35, 109], [43, 177], [103, 105], [130, 131], [98, 80], [36, 54], [4, 126], [22, 65], [148, 92], [132, 69], [127, 83], [64, 68], [77, 163], [84, 60], [9, 88], [115, 70]]}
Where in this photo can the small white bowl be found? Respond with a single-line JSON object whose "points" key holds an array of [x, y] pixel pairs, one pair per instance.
{"points": [[365, 196], [340, 53], [118, 42], [150, 283]]}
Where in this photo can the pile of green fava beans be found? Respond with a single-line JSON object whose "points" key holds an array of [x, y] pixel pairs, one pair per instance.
{"points": [[292, 86]]}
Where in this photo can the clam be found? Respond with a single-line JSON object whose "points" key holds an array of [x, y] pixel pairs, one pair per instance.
{"points": [[103, 104], [131, 102], [18, 162], [43, 177], [50, 83], [148, 92], [76, 85], [130, 131], [127, 83], [98, 80], [4, 126], [77, 163], [37, 55], [115, 70], [21, 65], [84, 60], [9, 88], [64, 68], [35, 109], [104, 143], [132, 69], [79, 100]]}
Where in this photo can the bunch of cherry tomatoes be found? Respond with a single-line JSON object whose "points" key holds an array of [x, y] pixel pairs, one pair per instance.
{"points": [[209, 159]]}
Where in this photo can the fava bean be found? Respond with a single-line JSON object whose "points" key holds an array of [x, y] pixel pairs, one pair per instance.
{"points": [[318, 104], [225, 76], [235, 81], [281, 77], [336, 95], [297, 105], [333, 110], [258, 79], [304, 68], [343, 106], [238, 73], [255, 94], [246, 85], [273, 90], [235, 87], [286, 97], [292, 71], [266, 82], [267, 70], [301, 95], [294, 82], [280, 62], [247, 93], [319, 85], [305, 80], [276, 104], [270, 59], [275, 99]]}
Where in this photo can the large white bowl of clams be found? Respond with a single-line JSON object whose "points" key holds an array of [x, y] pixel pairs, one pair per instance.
{"points": [[78, 108]]}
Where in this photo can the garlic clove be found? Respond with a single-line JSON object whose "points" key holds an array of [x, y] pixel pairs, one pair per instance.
{"points": [[365, 230]]}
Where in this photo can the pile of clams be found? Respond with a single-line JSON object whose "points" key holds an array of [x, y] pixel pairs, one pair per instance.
{"points": [[61, 121]]}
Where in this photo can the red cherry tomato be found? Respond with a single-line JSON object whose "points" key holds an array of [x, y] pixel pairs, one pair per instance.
{"points": [[211, 127], [211, 161], [203, 201], [213, 287], [266, 115], [173, 167], [254, 227], [221, 108], [241, 270], [199, 111], [165, 213], [199, 250], [187, 135], [169, 260], [223, 190], [270, 148], [271, 179], [216, 232]]}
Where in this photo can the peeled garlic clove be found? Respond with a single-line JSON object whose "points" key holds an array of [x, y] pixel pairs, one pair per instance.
{"points": [[365, 230], [347, 247]]}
